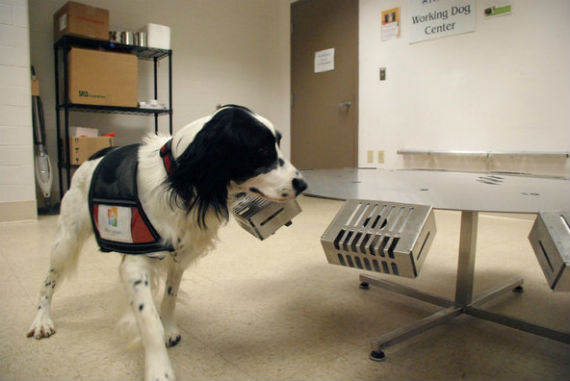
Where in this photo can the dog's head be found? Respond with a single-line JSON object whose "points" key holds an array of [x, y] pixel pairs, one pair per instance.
{"points": [[233, 151]]}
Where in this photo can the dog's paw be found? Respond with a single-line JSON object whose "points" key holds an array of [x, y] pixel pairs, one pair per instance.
{"points": [[41, 327], [159, 369], [163, 376], [173, 340], [172, 335]]}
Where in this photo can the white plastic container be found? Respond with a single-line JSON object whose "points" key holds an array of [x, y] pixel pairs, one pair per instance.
{"points": [[158, 36]]}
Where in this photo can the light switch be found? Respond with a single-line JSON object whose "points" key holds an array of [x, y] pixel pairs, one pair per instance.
{"points": [[370, 156], [382, 73]]}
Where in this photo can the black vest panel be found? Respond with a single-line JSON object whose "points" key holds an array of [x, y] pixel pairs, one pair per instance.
{"points": [[119, 221]]}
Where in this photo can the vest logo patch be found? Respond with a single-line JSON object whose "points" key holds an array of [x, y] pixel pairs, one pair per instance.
{"points": [[115, 223], [113, 215]]}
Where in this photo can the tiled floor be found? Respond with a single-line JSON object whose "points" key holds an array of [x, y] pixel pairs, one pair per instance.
{"points": [[275, 309]]}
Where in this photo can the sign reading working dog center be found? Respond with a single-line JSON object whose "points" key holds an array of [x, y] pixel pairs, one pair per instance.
{"points": [[429, 19]]}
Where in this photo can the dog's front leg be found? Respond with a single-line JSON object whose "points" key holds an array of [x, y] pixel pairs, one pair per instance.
{"points": [[135, 274], [172, 333]]}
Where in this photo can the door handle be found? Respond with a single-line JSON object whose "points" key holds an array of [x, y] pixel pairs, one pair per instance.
{"points": [[346, 104]]}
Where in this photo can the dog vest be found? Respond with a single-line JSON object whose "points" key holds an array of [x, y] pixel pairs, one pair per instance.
{"points": [[118, 218]]}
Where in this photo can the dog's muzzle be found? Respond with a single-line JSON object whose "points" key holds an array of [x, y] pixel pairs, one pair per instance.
{"points": [[299, 185]]}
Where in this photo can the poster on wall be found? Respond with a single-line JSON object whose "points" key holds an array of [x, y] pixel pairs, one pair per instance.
{"points": [[430, 19], [324, 60], [390, 28]]}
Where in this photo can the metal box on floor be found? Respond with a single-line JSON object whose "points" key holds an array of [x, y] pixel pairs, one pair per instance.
{"points": [[385, 237]]}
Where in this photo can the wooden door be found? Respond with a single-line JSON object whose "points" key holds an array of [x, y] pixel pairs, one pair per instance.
{"points": [[324, 104]]}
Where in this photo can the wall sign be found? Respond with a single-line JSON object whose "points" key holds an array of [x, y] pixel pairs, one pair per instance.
{"points": [[390, 24], [497, 8], [429, 19]]}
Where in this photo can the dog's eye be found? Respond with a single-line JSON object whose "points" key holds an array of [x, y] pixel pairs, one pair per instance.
{"points": [[265, 151]]}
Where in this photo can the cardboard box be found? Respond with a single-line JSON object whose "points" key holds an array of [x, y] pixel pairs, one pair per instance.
{"points": [[103, 78], [157, 36], [35, 88], [82, 20], [81, 148]]}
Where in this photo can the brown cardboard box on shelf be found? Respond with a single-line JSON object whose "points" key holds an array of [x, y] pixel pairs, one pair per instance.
{"points": [[82, 20], [103, 78], [81, 148]]}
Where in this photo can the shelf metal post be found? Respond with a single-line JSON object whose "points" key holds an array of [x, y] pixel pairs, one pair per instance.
{"points": [[59, 143], [155, 61], [170, 92], [65, 144]]}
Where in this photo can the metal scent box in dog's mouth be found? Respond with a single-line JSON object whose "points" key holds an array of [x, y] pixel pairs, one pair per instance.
{"points": [[379, 236], [550, 240], [261, 217]]}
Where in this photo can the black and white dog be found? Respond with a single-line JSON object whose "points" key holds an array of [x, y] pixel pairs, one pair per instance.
{"points": [[185, 185]]}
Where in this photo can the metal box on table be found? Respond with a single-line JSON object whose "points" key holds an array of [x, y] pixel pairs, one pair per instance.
{"points": [[385, 237]]}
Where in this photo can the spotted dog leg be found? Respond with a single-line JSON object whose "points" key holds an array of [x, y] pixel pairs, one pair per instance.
{"points": [[73, 228], [43, 326], [135, 273], [172, 333]]}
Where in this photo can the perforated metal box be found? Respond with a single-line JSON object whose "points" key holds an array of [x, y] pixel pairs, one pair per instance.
{"points": [[379, 236], [261, 217], [550, 240]]}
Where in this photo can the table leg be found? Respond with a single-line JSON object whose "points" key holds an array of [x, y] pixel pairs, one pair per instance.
{"points": [[411, 330], [408, 291], [466, 263]]}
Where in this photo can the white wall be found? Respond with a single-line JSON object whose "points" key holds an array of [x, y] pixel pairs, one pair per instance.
{"points": [[224, 51], [17, 188], [504, 87]]}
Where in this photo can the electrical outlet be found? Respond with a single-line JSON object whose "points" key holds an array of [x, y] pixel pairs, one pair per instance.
{"points": [[382, 73], [380, 156], [370, 156]]}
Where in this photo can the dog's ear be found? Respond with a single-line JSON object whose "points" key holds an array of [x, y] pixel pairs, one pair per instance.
{"points": [[203, 172], [226, 148]]}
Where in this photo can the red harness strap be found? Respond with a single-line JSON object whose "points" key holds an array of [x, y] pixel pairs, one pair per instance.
{"points": [[167, 158]]}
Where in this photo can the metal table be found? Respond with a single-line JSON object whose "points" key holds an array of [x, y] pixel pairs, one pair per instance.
{"points": [[469, 193]]}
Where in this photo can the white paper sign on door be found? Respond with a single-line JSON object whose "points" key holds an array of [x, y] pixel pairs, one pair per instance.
{"points": [[324, 60]]}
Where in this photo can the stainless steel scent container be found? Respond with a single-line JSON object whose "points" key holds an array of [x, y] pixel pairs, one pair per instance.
{"points": [[261, 217], [384, 237], [550, 240]]}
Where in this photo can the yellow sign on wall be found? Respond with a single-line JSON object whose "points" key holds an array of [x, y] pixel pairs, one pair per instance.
{"points": [[390, 24]]}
